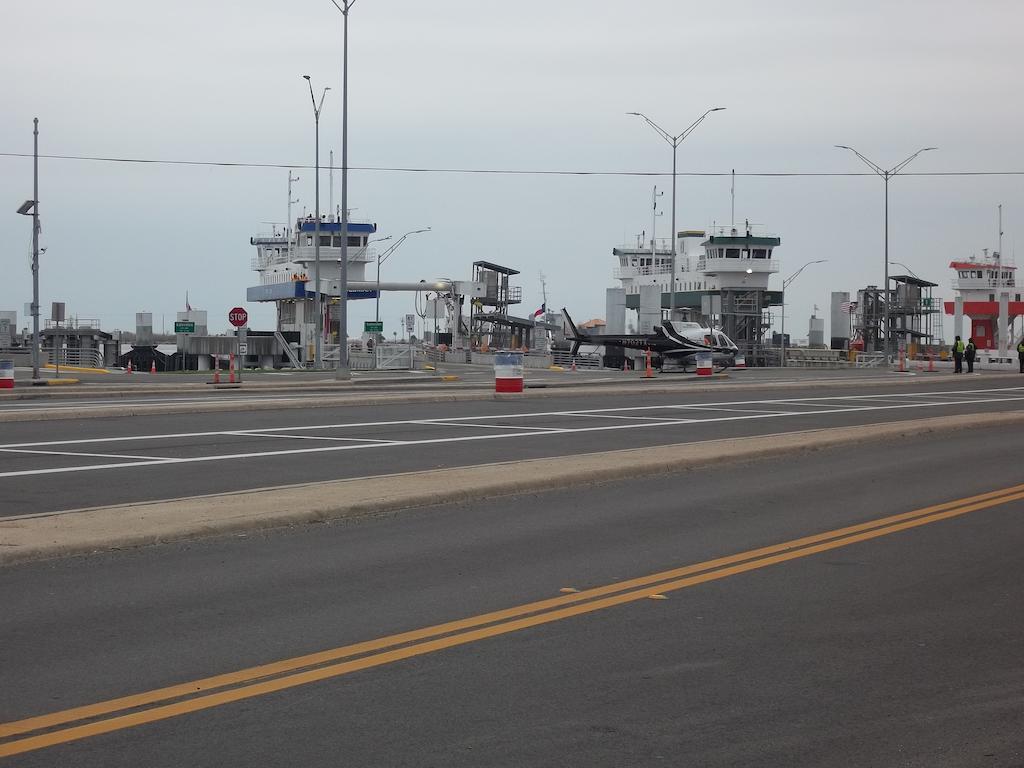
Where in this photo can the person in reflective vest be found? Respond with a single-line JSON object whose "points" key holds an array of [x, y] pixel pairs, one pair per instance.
{"points": [[970, 352], [958, 356], [1020, 354]]}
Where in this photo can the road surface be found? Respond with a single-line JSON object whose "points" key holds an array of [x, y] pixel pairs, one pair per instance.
{"points": [[684, 620]]}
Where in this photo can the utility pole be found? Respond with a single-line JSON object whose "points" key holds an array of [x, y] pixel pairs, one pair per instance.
{"points": [[674, 141], [317, 296], [885, 175]]}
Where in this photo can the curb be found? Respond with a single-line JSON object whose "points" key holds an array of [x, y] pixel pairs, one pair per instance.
{"points": [[82, 531]]}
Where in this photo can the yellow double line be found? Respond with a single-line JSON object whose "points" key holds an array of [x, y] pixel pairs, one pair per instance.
{"points": [[162, 703]]}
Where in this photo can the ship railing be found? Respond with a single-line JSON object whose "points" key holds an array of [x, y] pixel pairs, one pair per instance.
{"points": [[643, 271], [73, 322], [724, 264], [738, 230], [968, 283]]}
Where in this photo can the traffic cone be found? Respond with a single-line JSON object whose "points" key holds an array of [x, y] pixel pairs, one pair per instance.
{"points": [[231, 370], [216, 372], [573, 369], [152, 367], [903, 364], [129, 368], [648, 371], [931, 363]]}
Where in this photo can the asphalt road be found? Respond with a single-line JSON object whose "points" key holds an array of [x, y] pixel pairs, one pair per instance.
{"points": [[899, 645], [68, 464]]}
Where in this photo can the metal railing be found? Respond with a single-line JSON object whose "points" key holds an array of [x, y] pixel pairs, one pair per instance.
{"points": [[721, 263], [643, 271], [83, 358]]}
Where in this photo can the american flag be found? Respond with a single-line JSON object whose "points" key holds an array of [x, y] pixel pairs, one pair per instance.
{"points": [[849, 307]]}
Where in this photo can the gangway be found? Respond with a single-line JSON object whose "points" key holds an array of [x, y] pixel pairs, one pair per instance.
{"points": [[288, 350]]}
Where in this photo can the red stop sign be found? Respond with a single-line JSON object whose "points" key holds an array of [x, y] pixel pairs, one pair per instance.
{"points": [[238, 317]]}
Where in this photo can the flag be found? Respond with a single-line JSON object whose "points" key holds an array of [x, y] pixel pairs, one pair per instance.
{"points": [[541, 311], [848, 306]]}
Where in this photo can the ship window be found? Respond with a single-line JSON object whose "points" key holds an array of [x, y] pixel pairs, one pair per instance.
{"points": [[309, 239], [732, 253], [325, 240], [991, 297], [336, 241], [759, 253], [354, 240], [769, 253]]}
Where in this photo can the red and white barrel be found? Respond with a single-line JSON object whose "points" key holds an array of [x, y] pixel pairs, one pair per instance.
{"points": [[704, 360], [508, 372], [741, 362], [6, 374]]}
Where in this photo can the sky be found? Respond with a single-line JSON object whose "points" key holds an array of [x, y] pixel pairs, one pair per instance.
{"points": [[480, 84]]}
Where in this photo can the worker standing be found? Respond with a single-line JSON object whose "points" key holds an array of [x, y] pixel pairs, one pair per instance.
{"points": [[1020, 354], [970, 352], [958, 356]]}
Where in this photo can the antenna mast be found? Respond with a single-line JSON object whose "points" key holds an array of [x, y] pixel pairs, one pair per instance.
{"points": [[1000, 229], [732, 218], [288, 225]]}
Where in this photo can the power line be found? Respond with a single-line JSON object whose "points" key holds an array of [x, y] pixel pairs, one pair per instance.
{"points": [[497, 171]]}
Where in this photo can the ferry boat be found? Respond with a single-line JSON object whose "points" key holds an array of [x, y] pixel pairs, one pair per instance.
{"points": [[987, 292]]}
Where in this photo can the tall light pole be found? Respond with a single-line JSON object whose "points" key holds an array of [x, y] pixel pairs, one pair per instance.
{"points": [[343, 372], [785, 285], [31, 208], [317, 109], [674, 141], [384, 257], [886, 175]]}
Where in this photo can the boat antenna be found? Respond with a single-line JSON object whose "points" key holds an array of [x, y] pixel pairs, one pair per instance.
{"points": [[1000, 228], [733, 213]]}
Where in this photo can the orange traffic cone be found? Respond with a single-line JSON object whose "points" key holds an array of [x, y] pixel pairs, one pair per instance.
{"points": [[931, 363], [231, 370], [648, 371], [573, 369], [129, 368], [216, 372], [152, 367]]}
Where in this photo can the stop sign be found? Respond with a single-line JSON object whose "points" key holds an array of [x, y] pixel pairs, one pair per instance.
{"points": [[238, 317]]}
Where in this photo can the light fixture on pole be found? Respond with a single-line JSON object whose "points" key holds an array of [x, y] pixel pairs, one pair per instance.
{"points": [[785, 285], [31, 208], [384, 257], [674, 141], [886, 175], [317, 303], [343, 372]]}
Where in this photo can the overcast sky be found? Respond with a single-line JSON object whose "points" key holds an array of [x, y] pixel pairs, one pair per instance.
{"points": [[485, 84]]}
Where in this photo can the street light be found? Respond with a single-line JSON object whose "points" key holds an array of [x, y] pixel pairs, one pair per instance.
{"points": [[317, 108], [343, 373], [901, 264], [886, 175], [384, 257], [785, 285], [674, 141], [31, 208]]}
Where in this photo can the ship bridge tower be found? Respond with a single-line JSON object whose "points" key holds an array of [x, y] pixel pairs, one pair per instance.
{"points": [[739, 263], [987, 292]]}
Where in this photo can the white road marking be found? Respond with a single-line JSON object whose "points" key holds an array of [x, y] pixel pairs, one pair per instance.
{"points": [[308, 437], [363, 444], [75, 453], [447, 423]]}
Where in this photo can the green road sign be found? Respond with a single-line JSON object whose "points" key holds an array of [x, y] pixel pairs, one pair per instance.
{"points": [[373, 326], [185, 327]]}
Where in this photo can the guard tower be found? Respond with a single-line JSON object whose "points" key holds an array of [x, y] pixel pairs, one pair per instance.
{"points": [[491, 326]]}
